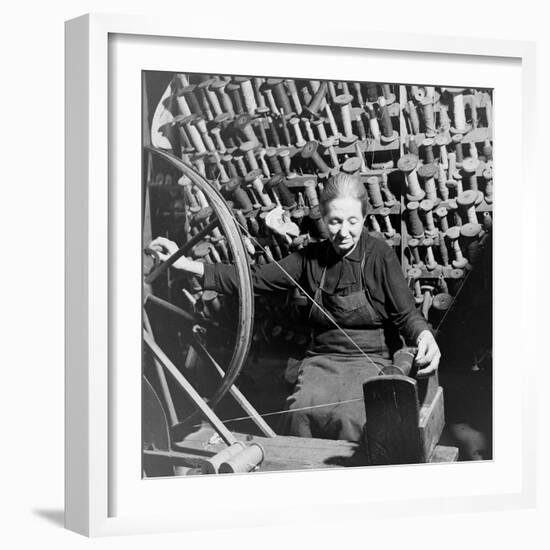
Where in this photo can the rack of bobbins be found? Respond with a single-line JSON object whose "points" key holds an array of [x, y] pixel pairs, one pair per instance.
{"points": [[447, 165], [423, 153]]}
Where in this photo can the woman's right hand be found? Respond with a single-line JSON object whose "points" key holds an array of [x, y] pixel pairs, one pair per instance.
{"points": [[165, 248]]}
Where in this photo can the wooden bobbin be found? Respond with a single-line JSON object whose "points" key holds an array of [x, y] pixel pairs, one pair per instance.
{"points": [[374, 192], [248, 148], [471, 233], [220, 145], [443, 252], [203, 99], [293, 91], [416, 227], [193, 133], [426, 207], [239, 195], [413, 117], [457, 140], [315, 216], [388, 134], [245, 461], [385, 213], [212, 465], [389, 197], [247, 91], [469, 169], [259, 126], [389, 96], [186, 143], [427, 243], [467, 200], [319, 124], [211, 303], [441, 213], [295, 122], [352, 165], [287, 198], [212, 97], [316, 103], [427, 145], [487, 221], [283, 124], [271, 154], [230, 166], [238, 157], [440, 305], [329, 146], [361, 157], [427, 173], [243, 124], [218, 87], [311, 193], [444, 120], [428, 115], [263, 163], [272, 131], [412, 146], [192, 100], [372, 92], [331, 122], [214, 159], [442, 140], [459, 116], [407, 164], [309, 151], [413, 245], [357, 118], [309, 131], [454, 216], [358, 93], [453, 233], [374, 223], [234, 91], [488, 175], [284, 156], [280, 95], [442, 301], [373, 121], [414, 274], [488, 150], [442, 183], [427, 299], [344, 102], [254, 178], [201, 252]]}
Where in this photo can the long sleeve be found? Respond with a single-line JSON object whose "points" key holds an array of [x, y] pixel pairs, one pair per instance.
{"points": [[400, 304], [265, 278]]}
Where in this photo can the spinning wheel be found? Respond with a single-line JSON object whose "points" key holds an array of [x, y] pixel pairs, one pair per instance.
{"points": [[215, 219]]}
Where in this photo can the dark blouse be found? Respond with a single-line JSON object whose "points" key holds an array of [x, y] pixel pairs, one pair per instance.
{"points": [[390, 294]]}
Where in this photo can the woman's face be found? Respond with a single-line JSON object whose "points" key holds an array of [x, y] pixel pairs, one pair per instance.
{"points": [[344, 220]]}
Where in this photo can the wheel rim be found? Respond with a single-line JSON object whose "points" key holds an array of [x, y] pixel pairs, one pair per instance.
{"points": [[234, 241]]}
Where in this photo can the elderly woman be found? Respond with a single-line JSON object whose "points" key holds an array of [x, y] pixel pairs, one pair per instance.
{"points": [[359, 299]]}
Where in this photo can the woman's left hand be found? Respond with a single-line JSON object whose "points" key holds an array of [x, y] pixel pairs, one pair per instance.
{"points": [[428, 355]]}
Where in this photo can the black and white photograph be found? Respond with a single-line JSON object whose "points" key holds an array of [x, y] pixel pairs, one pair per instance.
{"points": [[317, 273]]}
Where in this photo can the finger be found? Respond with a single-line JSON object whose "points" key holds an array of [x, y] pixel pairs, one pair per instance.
{"points": [[425, 372], [420, 358], [431, 368], [162, 256]]}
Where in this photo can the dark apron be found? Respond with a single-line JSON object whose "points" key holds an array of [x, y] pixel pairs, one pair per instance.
{"points": [[331, 376]]}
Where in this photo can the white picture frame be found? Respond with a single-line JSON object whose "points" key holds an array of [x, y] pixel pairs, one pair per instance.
{"points": [[99, 501]]}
